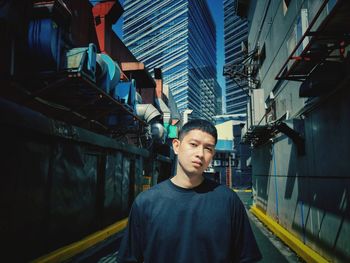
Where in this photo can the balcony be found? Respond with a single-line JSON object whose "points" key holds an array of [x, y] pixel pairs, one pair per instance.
{"points": [[324, 41]]}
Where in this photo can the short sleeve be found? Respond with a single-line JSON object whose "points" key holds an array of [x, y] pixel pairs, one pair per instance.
{"points": [[245, 246], [130, 250]]}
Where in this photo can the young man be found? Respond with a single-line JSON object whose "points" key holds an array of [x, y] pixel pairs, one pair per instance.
{"points": [[189, 218]]}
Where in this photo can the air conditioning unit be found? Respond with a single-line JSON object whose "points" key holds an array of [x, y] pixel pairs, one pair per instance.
{"points": [[258, 105]]}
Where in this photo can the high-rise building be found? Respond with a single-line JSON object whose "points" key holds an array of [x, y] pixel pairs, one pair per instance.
{"points": [[236, 32], [180, 38]]}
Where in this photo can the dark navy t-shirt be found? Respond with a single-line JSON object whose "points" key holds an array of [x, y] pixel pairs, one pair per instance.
{"points": [[207, 223]]}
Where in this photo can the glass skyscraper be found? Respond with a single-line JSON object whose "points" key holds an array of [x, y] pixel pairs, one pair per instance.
{"points": [[180, 38], [236, 32]]}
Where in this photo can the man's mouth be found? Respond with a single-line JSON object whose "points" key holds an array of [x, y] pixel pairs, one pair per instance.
{"points": [[197, 163]]}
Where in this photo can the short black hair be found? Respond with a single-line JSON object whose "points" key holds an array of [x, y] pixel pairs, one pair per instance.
{"points": [[199, 124]]}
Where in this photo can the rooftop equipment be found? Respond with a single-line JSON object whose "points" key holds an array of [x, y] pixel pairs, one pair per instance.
{"points": [[82, 61], [108, 72]]}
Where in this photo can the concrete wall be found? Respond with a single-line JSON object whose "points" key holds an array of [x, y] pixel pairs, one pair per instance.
{"points": [[275, 30], [307, 194]]}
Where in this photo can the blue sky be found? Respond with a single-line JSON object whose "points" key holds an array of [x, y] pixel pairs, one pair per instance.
{"points": [[216, 9]]}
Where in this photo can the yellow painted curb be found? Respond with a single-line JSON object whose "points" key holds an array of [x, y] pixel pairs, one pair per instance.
{"points": [[245, 191], [293, 242], [73, 249]]}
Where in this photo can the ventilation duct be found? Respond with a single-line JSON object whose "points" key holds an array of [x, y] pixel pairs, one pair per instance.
{"points": [[138, 98], [44, 41], [147, 112], [125, 92], [157, 131], [82, 61], [107, 72]]}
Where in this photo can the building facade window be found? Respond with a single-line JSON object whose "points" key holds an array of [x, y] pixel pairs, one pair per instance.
{"points": [[180, 38]]}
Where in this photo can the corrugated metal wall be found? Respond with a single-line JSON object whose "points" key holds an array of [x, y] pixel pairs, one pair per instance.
{"points": [[61, 183]]}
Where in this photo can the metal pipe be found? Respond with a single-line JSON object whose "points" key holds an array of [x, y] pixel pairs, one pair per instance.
{"points": [[275, 176]]}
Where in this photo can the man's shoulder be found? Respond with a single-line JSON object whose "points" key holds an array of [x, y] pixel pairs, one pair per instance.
{"points": [[221, 188], [153, 192], [222, 192]]}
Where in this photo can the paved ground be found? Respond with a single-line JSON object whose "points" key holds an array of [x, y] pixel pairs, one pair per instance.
{"points": [[271, 247], [111, 258]]}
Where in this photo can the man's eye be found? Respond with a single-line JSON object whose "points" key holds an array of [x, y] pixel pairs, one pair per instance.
{"points": [[209, 149], [193, 144]]}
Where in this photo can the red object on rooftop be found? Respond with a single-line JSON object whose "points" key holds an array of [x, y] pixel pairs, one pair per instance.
{"points": [[105, 15]]}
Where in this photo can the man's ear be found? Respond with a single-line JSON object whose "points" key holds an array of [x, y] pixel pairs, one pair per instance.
{"points": [[176, 145]]}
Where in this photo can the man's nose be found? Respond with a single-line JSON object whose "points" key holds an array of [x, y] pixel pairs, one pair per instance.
{"points": [[200, 151]]}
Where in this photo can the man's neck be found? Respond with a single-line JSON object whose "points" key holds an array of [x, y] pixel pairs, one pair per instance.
{"points": [[186, 181]]}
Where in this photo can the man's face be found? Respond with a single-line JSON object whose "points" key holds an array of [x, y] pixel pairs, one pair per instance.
{"points": [[195, 151]]}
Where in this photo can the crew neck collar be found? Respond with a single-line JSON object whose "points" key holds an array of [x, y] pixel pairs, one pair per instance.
{"points": [[183, 189]]}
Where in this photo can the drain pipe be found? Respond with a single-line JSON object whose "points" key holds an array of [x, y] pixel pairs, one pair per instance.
{"points": [[302, 219], [275, 175]]}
